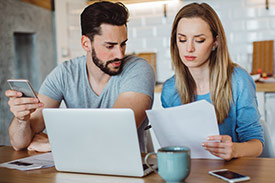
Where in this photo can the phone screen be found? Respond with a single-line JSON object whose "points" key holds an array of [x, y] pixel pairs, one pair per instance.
{"points": [[23, 86], [229, 174]]}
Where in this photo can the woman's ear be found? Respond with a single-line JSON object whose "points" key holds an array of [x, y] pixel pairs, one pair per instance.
{"points": [[215, 44], [86, 43]]}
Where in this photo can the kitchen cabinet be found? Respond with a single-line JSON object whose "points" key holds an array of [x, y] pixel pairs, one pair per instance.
{"points": [[265, 93]]}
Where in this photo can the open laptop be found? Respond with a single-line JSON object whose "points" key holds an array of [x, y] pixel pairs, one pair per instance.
{"points": [[98, 141]]}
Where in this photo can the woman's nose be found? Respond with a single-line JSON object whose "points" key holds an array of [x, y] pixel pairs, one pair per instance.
{"points": [[190, 47]]}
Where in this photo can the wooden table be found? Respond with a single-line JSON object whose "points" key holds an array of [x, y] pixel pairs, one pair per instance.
{"points": [[261, 170]]}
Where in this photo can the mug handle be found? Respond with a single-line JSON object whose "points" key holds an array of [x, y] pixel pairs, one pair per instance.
{"points": [[148, 164]]}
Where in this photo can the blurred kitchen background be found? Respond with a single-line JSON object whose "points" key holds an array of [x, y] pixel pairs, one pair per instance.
{"points": [[36, 35]]}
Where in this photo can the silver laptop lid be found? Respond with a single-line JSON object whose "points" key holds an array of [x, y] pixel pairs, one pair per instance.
{"points": [[100, 141]]}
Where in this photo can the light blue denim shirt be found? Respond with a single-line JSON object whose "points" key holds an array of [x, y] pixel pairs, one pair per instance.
{"points": [[242, 122]]}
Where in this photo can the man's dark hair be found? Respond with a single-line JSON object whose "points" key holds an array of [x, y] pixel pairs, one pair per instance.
{"points": [[102, 12]]}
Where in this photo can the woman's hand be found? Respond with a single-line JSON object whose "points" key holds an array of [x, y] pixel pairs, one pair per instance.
{"points": [[220, 146]]}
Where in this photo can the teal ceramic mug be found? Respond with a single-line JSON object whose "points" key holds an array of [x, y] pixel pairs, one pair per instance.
{"points": [[174, 163]]}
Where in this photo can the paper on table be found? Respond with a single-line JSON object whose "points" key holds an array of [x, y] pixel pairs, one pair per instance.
{"points": [[30, 163], [185, 125]]}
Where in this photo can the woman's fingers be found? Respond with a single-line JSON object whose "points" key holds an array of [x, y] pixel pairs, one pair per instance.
{"points": [[220, 146], [222, 138]]}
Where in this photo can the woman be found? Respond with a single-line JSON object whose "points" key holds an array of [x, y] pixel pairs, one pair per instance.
{"points": [[204, 70]]}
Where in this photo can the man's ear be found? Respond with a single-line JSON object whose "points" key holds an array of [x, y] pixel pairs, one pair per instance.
{"points": [[86, 43]]}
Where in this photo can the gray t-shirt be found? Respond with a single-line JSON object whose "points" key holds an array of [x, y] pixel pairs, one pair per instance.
{"points": [[69, 82]]}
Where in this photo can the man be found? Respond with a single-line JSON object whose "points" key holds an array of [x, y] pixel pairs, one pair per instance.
{"points": [[104, 78]]}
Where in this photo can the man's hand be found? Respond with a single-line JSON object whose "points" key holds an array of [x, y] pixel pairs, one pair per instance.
{"points": [[40, 143], [22, 107]]}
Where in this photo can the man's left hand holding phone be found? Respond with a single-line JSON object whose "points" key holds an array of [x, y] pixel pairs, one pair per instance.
{"points": [[23, 102]]}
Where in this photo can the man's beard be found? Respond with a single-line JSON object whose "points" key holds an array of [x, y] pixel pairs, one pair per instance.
{"points": [[105, 68]]}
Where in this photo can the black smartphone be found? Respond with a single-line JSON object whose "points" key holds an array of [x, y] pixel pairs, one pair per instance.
{"points": [[229, 176], [23, 86]]}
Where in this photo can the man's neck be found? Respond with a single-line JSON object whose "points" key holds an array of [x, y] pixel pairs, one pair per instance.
{"points": [[97, 78]]}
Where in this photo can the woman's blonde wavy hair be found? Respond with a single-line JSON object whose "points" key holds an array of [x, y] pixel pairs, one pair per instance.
{"points": [[220, 65]]}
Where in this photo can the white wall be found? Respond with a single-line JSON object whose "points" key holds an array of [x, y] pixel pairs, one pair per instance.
{"points": [[244, 21], [68, 34]]}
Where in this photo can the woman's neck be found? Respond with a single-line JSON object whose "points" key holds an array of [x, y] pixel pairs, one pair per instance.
{"points": [[201, 77]]}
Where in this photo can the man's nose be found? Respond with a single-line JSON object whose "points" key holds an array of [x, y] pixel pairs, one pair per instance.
{"points": [[119, 53]]}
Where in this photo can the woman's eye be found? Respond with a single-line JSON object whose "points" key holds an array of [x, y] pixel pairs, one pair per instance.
{"points": [[200, 41], [182, 40]]}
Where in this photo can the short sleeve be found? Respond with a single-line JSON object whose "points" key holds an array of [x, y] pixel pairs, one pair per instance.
{"points": [[137, 76], [165, 96], [53, 84], [169, 94]]}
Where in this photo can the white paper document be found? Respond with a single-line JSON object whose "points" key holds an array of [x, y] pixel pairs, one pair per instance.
{"points": [[30, 163], [186, 125]]}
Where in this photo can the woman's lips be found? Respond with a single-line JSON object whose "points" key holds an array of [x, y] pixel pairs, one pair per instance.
{"points": [[190, 58]]}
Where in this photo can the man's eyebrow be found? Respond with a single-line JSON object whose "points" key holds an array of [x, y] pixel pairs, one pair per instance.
{"points": [[115, 43], [112, 43]]}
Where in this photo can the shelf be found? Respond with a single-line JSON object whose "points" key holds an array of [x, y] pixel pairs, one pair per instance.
{"points": [[265, 87]]}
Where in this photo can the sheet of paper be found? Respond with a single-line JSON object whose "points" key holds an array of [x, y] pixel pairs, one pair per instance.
{"points": [[30, 163], [186, 125]]}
